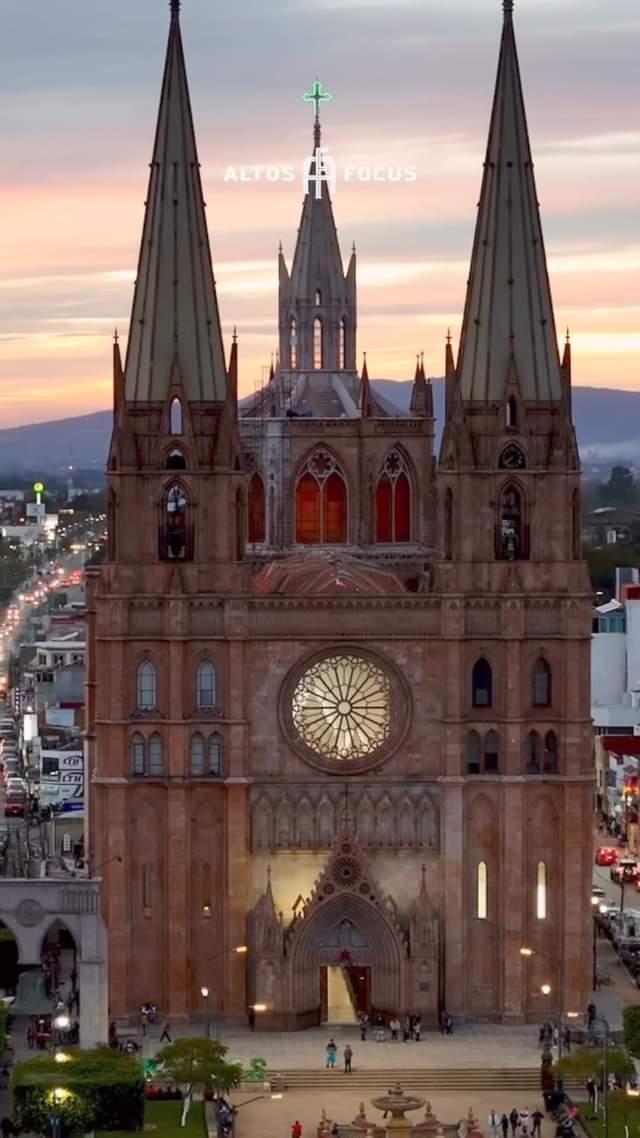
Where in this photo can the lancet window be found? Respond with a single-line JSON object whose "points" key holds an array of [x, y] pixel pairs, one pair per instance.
{"points": [[393, 500], [321, 502]]}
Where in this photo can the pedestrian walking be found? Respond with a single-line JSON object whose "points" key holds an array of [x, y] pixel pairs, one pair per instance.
{"points": [[406, 1029], [166, 1032], [296, 1130], [591, 1016], [417, 1028], [566, 1040], [536, 1118], [591, 1091], [514, 1119], [493, 1123], [504, 1125], [364, 1024], [331, 1051], [348, 1056], [394, 1027], [144, 1018]]}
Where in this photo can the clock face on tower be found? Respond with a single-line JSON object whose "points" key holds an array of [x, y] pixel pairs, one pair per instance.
{"points": [[345, 710], [512, 458]]}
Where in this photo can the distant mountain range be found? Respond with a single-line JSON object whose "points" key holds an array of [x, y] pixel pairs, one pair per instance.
{"points": [[607, 423]]}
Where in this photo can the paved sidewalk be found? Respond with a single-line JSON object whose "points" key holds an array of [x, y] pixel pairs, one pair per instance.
{"points": [[471, 1045]]}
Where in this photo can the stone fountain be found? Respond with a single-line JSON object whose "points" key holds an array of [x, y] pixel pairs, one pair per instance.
{"points": [[396, 1103]]}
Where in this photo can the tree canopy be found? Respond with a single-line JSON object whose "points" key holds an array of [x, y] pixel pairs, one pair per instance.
{"points": [[199, 1062]]}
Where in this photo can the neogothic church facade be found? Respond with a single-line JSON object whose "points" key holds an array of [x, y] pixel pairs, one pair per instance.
{"points": [[339, 688]]}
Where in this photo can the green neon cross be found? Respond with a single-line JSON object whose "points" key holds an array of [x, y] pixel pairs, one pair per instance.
{"points": [[317, 95]]}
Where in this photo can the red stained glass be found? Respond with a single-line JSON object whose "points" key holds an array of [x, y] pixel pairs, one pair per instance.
{"points": [[384, 506], [335, 509], [308, 511], [256, 512], [402, 512]]}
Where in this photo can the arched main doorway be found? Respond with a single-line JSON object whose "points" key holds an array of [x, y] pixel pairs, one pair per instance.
{"points": [[355, 938]]}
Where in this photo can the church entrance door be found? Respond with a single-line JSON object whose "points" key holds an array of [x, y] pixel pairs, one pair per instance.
{"points": [[338, 1002]]}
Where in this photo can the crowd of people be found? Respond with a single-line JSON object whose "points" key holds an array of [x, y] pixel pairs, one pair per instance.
{"points": [[409, 1028]]}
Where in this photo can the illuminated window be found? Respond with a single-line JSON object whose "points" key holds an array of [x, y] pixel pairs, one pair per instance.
{"points": [[293, 344], [318, 350], [197, 756], [482, 684], [342, 351], [321, 502], [137, 750], [481, 911], [541, 891], [256, 518], [156, 756], [318, 298], [393, 501], [147, 687], [542, 684], [206, 685], [175, 417], [215, 756]]}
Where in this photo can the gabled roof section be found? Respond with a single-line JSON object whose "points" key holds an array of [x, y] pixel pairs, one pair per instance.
{"points": [[317, 261], [175, 310], [508, 309]]}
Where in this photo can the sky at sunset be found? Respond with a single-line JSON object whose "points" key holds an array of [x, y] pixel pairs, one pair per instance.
{"points": [[412, 82]]}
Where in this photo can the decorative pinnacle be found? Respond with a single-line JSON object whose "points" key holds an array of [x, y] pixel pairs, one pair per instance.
{"points": [[175, 7], [235, 335], [448, 335], [115, 336], [507, 6], [568, 336]]}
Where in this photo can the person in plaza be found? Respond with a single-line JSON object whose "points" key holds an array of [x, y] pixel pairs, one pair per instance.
{"points": [[504, 1125], [379, 1021], [144, 1018], [536, 1119], [364, 1024], [566, 1040], [417, 1028], [394, 1027], [296, 1130], [348, 1056], [591, 1016], [514, 1120], [407, 1029], [493, 1123], [331, 1054], [166, 1032]]}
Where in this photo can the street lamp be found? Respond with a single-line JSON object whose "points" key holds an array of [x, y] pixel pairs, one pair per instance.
{"points": [[204, 992]]}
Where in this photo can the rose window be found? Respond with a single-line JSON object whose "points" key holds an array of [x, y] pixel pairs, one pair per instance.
{"points": [[341, 707]]}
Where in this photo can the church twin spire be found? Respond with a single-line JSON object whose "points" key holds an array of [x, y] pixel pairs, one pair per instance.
{"points": [[175, 318], [508, 320]]}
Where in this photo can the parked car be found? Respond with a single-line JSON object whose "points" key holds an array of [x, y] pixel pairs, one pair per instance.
{"points": [[606, 855], [15, 804], [626, 869]]}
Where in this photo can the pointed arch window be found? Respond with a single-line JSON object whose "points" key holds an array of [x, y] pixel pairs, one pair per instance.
{"points": [[176, 460], [176, 424], [541, 891], [511, 531], [533, 753], [318, 344], [491, 746], [137, 752], [175, 531], [147, 687], [542, 684], [393, 500], [448, 524], [206, 685], [481, 891], [293, 344], [482, 684], [473, 752], [342, 348], [215, 756], [256, 513], [156, 756], [317, 300], [196, 755], [511, 414], [321, 502], [550, 761]]}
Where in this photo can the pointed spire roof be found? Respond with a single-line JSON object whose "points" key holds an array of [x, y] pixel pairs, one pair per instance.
{"points": [[420, 395], [509, 311], [317, 261], [366, 401], [175, 311]]}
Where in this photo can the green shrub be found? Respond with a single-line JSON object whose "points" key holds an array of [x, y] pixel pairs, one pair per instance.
{"points": [[106, 1091], [631, 1025]]}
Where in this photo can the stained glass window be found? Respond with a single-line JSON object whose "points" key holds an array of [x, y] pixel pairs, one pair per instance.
{"points": [[321, 502], [341, 707], [393, 501]]}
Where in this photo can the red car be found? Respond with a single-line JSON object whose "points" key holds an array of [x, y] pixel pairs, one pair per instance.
{"points": [[627, 869], [606, 855]]}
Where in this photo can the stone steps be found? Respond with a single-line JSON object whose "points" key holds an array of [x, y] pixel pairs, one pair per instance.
{"points": [[414, 1079]]}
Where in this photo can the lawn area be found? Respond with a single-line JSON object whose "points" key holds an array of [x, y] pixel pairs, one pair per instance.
{"points": [[165, 1117], [622, 1114]]}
